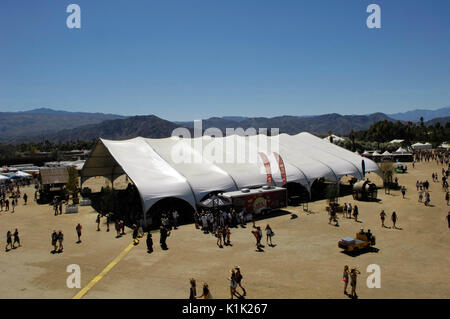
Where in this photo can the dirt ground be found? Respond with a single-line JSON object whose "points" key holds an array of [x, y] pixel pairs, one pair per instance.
{"points": [[305, 263]]}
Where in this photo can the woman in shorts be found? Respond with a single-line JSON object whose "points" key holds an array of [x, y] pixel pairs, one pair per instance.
{"points": [[345, 278], [269, 234], [353, 275]]}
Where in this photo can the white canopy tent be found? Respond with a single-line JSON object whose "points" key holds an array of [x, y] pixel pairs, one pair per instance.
{"points": [[3, 178], [386, 153], [335, 138], [189, 169], [21, 174]]}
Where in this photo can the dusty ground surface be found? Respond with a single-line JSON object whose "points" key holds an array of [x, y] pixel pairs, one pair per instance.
{"points": [[305, 263]]}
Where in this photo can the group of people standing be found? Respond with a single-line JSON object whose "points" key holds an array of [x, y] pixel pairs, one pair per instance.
{"points": [[235, 281], [350, 276]]}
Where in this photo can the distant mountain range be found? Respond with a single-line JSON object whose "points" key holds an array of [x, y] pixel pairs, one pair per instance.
{"points": [[414, 115], [61, 126], [23, 125]]}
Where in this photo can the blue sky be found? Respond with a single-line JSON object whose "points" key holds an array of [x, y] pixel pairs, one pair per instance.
{"points": [[192, 59]]}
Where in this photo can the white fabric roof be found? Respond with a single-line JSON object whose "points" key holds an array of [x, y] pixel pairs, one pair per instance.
{"points": [[335, 138], [3, 177], [375, 153], [396, 141], [386, 153], [400, 150], [189, 169], [22, 174]]}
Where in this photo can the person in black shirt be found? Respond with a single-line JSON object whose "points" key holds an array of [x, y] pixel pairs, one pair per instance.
{"points": [[162, 240], [16, 239], [149, 243]]}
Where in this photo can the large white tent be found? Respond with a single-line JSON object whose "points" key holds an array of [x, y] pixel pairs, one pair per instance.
{"points": [[191, 168]]}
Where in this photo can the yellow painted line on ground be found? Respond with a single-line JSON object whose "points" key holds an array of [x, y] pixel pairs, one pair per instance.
{"points": [[97, 278]]}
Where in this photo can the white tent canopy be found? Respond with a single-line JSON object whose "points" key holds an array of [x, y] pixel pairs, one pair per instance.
{"points": [[3, 178], [396, 141], [335, 138], [386, 153], [189, 169], [376, 153], [22, 174], [401, 150]]}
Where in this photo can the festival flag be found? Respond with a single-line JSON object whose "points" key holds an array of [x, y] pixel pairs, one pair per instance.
{"points": [[281, 166], [267, 166]]}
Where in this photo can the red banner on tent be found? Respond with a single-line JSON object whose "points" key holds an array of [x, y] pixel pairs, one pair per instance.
{"points": [[281, 166], [267, 166]]}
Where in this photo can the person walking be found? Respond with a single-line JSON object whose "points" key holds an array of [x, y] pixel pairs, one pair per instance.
{"points": [[345, 278], [117, 226], [349, 210], [233, 285], [383, 217], [16, 239], [269, 234], [164, 234], [60, 207], [355, 213], [447, 197], [353, 276], [175, 219], [403, 190], [394, 219], [135, 235], [98, 222], [192, 289], [60, 241], [8, 240], [239, 279], [122, 227], [108, 219], [219, 237], [206, 292], [54, 241], [6, 205], [13, 204], [149, 243], [78, 229], [427, 198], [448, 219], [228, 235], [420, 192], [25, 198]]}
